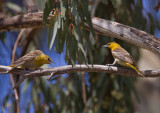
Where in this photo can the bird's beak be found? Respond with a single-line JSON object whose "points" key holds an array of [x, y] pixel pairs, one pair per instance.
{"points": [[51, 62], [105, 46]]}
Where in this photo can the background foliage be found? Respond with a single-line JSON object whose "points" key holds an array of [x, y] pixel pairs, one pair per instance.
{"points": [[69, 40]]}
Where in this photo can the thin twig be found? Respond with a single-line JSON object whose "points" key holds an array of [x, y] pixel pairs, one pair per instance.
{"points": [[19, 82], [11, 76], [84, 93], [16, 44]]}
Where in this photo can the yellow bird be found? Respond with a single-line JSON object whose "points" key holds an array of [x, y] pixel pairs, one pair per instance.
{"points": [[33, 60], [122, 57]]}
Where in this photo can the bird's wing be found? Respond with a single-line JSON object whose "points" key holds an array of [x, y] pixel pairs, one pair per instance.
{"points": [[123, 55], [26, 58]]}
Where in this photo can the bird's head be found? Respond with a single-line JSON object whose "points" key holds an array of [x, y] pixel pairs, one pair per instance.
{"points": [[48, 60], [43, 59], [112, 45]]}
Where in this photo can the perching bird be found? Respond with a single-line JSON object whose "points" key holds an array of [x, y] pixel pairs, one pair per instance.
{"points": [[122, 57], [33, 60]]}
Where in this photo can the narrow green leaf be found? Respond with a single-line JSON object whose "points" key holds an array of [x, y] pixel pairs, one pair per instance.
{"points": [[87, 15], [59, 21], [50, 29], [54, 33], [60, 40], [74, 11], [82, 57], [63, 8], [72, 48], [89, 46]]}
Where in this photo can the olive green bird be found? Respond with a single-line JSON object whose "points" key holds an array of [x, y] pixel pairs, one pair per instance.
{"points": [[33, 60], [122, 57]]}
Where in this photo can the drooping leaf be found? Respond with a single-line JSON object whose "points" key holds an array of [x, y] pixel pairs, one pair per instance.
{"points": [[87, 15], [60, 40], [104, 1], [63, 8], [54, 33], [72, 48], [49, 5], [89, 46], [50, 29]]}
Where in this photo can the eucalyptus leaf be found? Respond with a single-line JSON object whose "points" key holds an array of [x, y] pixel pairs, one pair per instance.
{"points": [[49, 5], [50, 29], [54, 33]]}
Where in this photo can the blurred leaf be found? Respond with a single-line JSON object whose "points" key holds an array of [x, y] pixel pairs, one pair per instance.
{"points": [[50, 29], [72, 89], [14, 7], [49, 5], [114, 2], [111, 106], [43, 85], [63, 8], [54, 33], [2, 36], [89, 46], [25, 86], [5, 102], [60, 39], [87, 15], [72, 48], [40, 4], [104, 1]]}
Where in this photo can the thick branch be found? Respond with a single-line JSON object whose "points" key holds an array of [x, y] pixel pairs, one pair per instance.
{"points": [[81, 68], [126, 33], [30, 20], [108, 28], [30, 6]]}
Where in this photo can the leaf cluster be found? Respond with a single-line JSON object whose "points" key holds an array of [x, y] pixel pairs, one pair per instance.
{"points": [[66, 28]]}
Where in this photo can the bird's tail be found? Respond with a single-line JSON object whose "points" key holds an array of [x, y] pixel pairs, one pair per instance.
{"points": [[136, 69]]}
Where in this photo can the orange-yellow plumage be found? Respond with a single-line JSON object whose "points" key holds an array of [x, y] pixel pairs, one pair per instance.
{"points": [[122, 57]]}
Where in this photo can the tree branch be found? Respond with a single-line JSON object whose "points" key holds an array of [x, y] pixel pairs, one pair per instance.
{"points": [[80, 68], [29, 20], [105, 27], [126, 33]]}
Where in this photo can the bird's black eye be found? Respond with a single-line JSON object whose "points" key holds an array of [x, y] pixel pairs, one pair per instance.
{"points": [[49, 59]]}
